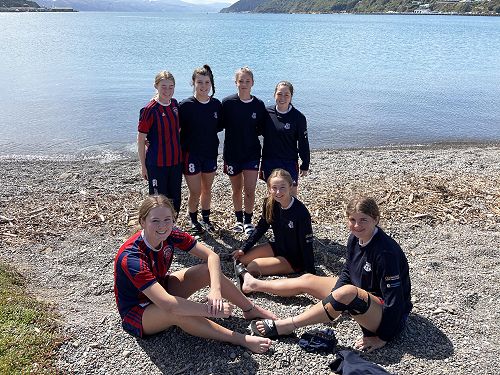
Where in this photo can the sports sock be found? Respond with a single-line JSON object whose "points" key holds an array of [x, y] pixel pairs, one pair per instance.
{"points": [[239, 216], [194, 217], [248, 218], [205, 214]]}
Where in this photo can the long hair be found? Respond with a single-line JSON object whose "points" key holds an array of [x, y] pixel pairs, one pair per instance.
{"points": [[205, 70], [281, 173]]}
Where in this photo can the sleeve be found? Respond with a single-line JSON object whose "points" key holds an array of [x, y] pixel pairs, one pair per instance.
{"points": [[137, 271], [345, 276], [304, 151], [305, 239], [220, 119], [182, 240], [388, 270], [260, 229], [264, 118], [145, 120]]}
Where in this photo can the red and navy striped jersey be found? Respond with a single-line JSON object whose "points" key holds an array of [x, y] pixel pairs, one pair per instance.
{"points": [[137, 267], [161, 124]]}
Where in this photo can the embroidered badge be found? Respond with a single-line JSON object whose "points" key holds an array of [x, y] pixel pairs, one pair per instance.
{"points": [[163, 114], [290, 224], [287, 126], [367, 267], [175, 110], [254, 115], [215, 114]]}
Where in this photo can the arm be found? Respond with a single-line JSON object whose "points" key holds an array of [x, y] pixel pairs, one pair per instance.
{"points": [[304, 151], [305, 238], [392, 294], [141, 151], [213, 262], [345, 277]]}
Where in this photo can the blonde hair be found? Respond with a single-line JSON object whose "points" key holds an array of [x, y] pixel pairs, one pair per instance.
{"points": [[364, 205], [153, 201], [164, 74], [244, 70], [280, 173]]}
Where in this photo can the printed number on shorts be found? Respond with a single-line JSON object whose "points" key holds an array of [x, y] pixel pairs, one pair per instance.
{"points": [[230, 169], [191, 168]]}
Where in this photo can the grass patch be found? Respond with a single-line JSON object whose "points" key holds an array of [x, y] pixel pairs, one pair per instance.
{"points": [[28, 334]]}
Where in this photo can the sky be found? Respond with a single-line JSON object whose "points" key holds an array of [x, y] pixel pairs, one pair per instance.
{"points": [[209, 1]]}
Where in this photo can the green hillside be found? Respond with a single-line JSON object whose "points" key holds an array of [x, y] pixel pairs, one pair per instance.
{"points": [[18, 4], [366, 6]]}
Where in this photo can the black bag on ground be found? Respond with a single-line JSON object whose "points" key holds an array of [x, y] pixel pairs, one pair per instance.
{"points": [[349, 363]]}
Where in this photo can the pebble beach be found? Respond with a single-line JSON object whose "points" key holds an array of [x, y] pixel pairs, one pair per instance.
{"points": [[62, 220]]}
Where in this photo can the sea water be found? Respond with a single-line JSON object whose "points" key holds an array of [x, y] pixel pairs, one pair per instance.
{"points": [[75, 82]]}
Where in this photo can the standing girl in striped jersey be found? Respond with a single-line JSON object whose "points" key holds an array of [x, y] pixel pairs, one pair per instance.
{"points": [[243, 117], [285, 137], [200, 120], [159, 127]]}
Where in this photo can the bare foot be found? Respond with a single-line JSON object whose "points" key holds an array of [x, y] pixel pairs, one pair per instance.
{"points": [[259, 312], [257, 344], [369, 344], [249, 283]]}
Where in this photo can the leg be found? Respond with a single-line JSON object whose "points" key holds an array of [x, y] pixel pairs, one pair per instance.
{"points": [[207, 179], [324, 311], [156, 320], [174, 184], [270, 266], [250, 183], [259, 251], [237, 189], [194, 183], [317, 286], [185, 282]]}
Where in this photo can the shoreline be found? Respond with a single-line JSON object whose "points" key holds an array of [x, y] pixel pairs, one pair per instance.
{"points": [[131, 153], [62, 221]]}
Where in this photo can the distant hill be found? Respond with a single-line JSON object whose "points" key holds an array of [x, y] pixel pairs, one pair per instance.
{"points": [[365, 6], [133, 5], [18, 4]]}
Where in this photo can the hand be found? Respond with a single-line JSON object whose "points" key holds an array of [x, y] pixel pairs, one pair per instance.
{"points": [[303, 173], [214, 301], [144, 172], [225, 311], [369, 344], [237, 254]]}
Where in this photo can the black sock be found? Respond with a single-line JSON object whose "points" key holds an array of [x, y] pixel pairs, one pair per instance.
{"points": [[194, 217], [248, 218], [239, 216], [205, 214]]}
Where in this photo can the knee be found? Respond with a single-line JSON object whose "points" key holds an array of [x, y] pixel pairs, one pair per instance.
{"points": [[307, 279], [345, 294]]}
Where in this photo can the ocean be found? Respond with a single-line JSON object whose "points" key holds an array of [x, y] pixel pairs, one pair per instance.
{"points": [[73, 83]]}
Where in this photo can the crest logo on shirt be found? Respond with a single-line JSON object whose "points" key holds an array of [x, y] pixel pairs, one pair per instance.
{"points": [[175, 110], [290, 224], [254, 115], [287, 126], [367, 267], [163, 114], [215, 114]]}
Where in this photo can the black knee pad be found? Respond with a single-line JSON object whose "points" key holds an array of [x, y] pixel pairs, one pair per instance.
{"points": [[358, 306], [338, 306]]}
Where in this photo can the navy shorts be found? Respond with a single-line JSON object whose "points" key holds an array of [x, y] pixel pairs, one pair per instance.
{"points": [[291, 166], [234, 169], [194, 164]]}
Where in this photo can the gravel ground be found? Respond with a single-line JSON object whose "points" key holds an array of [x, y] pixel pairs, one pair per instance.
{"points": [[63, 219]]}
